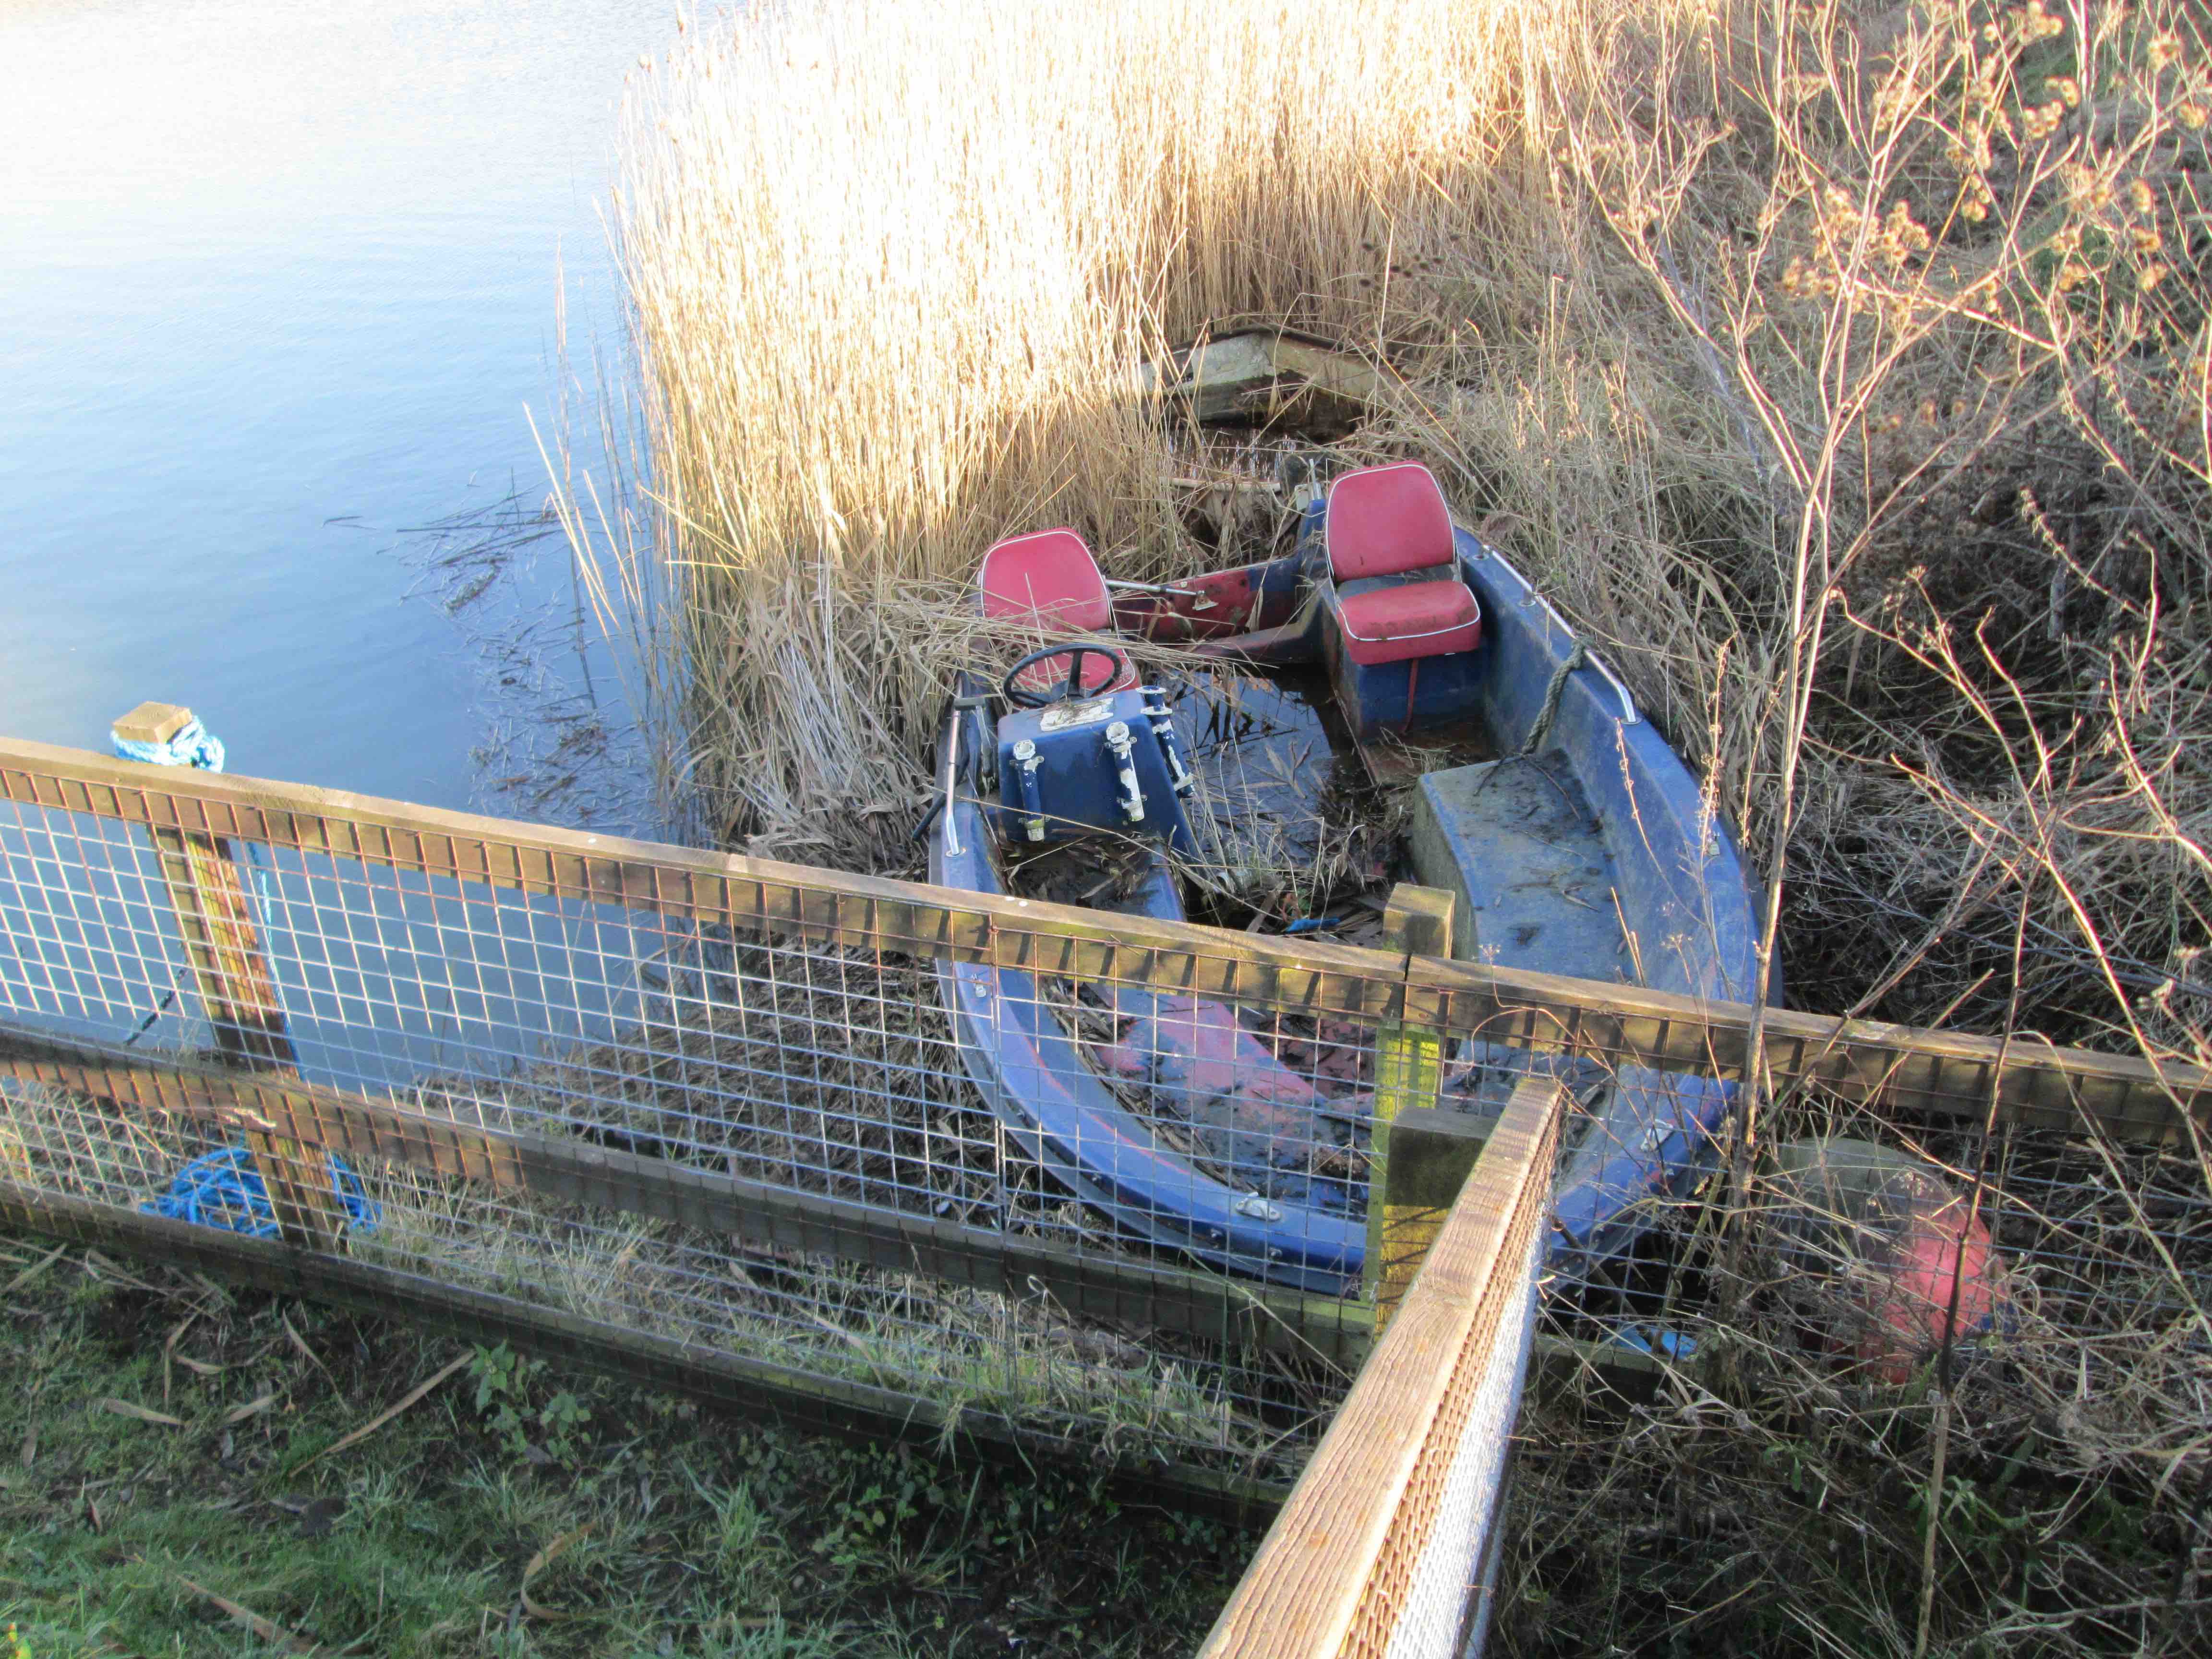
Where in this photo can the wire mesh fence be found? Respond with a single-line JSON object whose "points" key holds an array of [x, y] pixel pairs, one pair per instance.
{"points": [[909, 1158], [442, 1074]]}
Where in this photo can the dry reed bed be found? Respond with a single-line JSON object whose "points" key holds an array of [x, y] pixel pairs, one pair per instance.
{"points": [[1845, 365]]}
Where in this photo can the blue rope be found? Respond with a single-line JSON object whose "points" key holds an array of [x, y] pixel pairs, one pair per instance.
{"points": [[223, 1189], [193, 745]]}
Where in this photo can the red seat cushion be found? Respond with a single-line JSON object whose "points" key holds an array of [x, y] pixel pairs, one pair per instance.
{"points": [[1415, 619], [1049, 575], [1387, 519]]}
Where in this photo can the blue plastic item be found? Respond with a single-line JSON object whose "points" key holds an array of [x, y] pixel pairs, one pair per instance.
{"points": [[1657, 1340], [223, 1189], [1092, 763], [193, 745]]}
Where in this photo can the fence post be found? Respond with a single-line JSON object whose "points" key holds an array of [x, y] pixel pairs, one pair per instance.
{"points": [[1432, 1154], [215, 918], [1408, 1066]]}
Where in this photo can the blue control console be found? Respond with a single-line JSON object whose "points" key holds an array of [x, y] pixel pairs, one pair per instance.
{"points": [[1092, 764]]}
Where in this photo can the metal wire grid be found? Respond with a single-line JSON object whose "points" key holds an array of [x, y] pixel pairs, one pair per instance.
{"points": [[1022, 1355], [813, 1068], [829, 1070], [1564, 1022], [834, 1069]]}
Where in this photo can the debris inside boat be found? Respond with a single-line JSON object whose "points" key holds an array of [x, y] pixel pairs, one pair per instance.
{"points": [[1387, 698], [1276, 379]]}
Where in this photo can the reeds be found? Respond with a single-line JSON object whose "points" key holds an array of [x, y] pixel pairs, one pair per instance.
{"points": [[1843, 365], [892, 270]]}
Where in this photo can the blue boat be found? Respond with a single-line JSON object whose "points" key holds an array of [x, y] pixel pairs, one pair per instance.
{"points": [[1583, 847]]}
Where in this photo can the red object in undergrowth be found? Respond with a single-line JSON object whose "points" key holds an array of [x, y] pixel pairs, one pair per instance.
{"points": [[1941, 1248], [1890, 1241]]}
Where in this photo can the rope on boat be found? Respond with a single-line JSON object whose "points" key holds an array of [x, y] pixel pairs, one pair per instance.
{"points": [[193, 745], [1553, 692], [223, 1189]]}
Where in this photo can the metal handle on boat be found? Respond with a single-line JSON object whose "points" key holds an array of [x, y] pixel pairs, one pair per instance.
{"points": [[1155, 587], [1629, 715], [1206, 601], [951, 787]]}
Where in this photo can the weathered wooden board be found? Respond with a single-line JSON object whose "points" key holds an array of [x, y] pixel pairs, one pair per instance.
{"points": [[1330, 1574], [2032, 1084]]}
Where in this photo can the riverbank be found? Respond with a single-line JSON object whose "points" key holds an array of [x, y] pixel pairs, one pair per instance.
{"points": [[179, 1479]]}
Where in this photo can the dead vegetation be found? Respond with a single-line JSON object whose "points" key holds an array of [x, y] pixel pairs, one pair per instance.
{"points": [[1843, 367]]}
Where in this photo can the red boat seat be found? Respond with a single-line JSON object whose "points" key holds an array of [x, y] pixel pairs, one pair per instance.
{"points": [[1409, 619], [1050, 577], [1046, 574], [1383, 521]]}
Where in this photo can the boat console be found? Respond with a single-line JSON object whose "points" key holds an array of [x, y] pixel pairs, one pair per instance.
{"points": [[1083, 748]]}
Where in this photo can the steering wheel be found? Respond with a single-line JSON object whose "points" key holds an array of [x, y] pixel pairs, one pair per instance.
{"points": [[1023, 697]]}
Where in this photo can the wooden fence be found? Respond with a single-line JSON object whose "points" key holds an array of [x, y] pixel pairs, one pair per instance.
{"points": [[1379, 1544]]}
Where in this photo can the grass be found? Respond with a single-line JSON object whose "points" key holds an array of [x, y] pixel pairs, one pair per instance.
{"points": [[685, 1535]]}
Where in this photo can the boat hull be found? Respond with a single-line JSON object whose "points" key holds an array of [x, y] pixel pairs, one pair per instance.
{"points": [[1668, 904], [1051, 1099]]}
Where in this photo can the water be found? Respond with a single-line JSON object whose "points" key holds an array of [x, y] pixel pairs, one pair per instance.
{"points": [[279, 282]]}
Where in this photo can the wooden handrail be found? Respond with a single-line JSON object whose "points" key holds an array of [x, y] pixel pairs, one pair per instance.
{"points": [[1337, 1569], [2031, 1083]]}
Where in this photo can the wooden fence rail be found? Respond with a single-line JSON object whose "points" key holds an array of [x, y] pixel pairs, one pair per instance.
{"points": [[2030, 1083], [1378, 1546]]}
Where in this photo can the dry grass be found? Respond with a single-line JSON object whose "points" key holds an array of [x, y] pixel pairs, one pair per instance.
{"points": [[890, 295], [1845, 365], [1024, 1356]]}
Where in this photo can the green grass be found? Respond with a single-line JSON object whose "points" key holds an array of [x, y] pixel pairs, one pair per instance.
{"points": [[687, 1534]]}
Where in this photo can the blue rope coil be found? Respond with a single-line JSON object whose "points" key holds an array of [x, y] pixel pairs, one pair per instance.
{"points": [[223, 1189], [193, 745]]}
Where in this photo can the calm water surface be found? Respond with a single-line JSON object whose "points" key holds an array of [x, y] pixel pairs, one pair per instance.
{"points": [[277, 283]]}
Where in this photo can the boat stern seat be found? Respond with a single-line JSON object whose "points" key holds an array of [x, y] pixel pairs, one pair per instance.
{"points": [[1050, 577], [1395, 562]]}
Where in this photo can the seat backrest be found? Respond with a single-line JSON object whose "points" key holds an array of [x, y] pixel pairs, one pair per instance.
{"points": [[1383, 519], [1047, 574]]}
